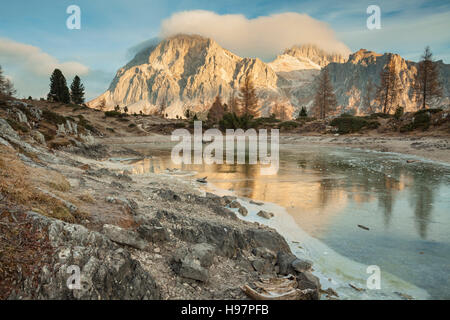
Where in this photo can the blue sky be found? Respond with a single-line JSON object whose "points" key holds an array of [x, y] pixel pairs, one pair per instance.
{"points": [[110, 28]]}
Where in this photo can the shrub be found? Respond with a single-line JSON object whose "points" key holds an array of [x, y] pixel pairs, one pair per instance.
{"points": [[85, 123], [112, 114], [18, 126], [349, 124], [431, 111], [399, 112], [233, 121], [289, 125], [53, 117], [132, 125]]}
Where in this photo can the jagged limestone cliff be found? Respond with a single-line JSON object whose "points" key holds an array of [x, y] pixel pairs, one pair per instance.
{"points": [[188, 72]]}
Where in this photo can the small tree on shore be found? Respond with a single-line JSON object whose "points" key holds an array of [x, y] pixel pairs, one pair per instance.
{"points": [[279, 111], [368, 96], [233, 104], [58, 88], [303, 113], [216, 111], [248, 100], [389, 90], [426, 82], [77, 91], [325, 99]]}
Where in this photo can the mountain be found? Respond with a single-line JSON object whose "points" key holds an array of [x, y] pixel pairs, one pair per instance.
{"points": [[350, 79], [188, 72], [185, 72]]}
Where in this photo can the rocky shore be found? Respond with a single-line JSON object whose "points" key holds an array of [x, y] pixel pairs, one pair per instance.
{"points": [[131, 236]]}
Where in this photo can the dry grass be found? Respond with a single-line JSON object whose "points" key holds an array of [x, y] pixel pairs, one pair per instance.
{"points": [[18, 184], [86, 198]]}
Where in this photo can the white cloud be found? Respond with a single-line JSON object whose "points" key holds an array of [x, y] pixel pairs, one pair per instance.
{"points": [[35, 61], [262, 37]]}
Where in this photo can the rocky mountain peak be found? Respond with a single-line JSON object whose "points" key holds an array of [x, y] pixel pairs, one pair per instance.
{"points": [[315, 54]]}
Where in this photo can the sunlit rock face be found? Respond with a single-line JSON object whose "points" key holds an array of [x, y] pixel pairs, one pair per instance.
{"points": [[188, 71], [185, 72], [350, 79]]}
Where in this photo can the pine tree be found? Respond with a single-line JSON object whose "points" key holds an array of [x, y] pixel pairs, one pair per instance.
{"points": [[303, 113], [248, 100], [233, 104], [279, 112], [77, 91], [325, 99], [367, 99], [6, 86], [216, 111], [58, 88], [390, 88], [426, 82]]}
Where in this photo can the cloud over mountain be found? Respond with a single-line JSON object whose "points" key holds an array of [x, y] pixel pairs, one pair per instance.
{"points": [[263, 37]]}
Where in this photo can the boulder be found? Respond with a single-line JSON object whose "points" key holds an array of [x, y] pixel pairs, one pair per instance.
{"points": [[191, 269], [265, 214], [235, 204], [243, 211], [306, 280], [153, 233], [6, 130], [284, 262], [301, 265], [39, 137], [193, 262], [123, 236]]}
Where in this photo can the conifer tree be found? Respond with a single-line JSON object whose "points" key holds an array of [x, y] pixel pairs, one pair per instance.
{"points": [[58, 87], [390, 88], [248, 100], [77, 91], [426, 82], [216, 111], [325, 99]]}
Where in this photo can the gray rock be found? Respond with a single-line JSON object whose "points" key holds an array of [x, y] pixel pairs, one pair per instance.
{"points": [[284, 262], [153, 233], [265, 254], [205, 253], [306, 280], [39, 137], [123, 236], [6, 130], [191, 269], [301, 265], [243, 211], [228, 199], [107, 271], [235, 204], [193, 262], [265, 214], [262, 266]]}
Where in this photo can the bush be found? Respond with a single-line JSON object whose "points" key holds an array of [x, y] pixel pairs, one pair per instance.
{"points": [[421, 120], [53, 117], [132, 125], [18, 126], [349, 124], [85, 123], [399, 112], [431, 111], [289, 125], [233, 121], [113, 114]]}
